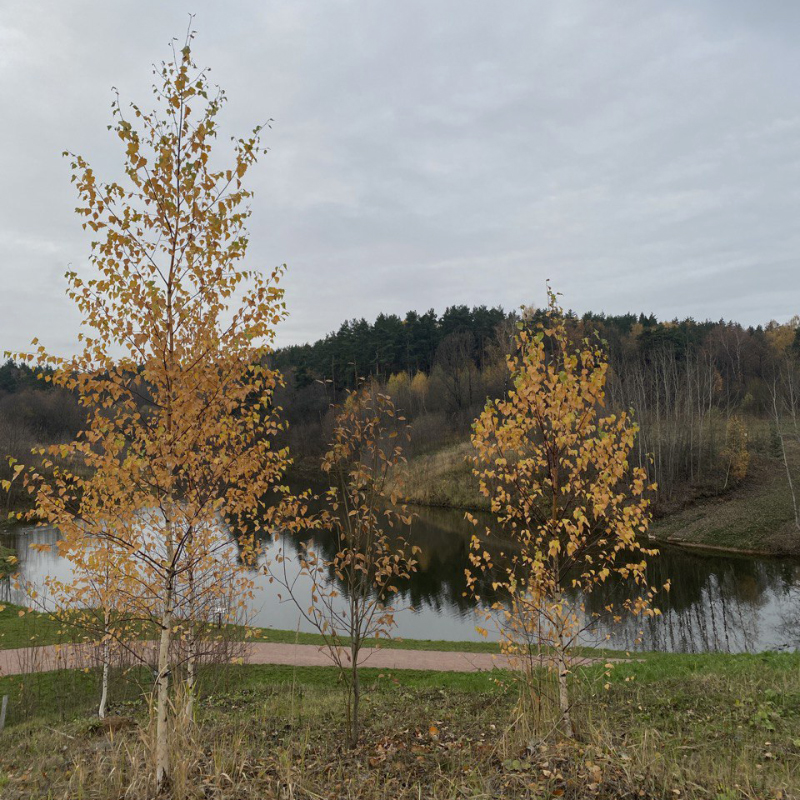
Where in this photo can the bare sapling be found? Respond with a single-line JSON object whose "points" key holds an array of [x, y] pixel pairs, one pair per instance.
{"points": [[92, 603], [352, 591], [782, 435]]}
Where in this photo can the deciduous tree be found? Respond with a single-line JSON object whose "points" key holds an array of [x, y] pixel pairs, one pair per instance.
{"points": [[352, 591], [736, 455], [177, 454], [557, 473]]}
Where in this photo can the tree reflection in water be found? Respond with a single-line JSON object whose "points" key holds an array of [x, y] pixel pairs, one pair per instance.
{"points": [[716, 603]]}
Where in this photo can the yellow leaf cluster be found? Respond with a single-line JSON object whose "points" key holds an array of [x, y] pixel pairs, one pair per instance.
{"points": [[555, 467]]}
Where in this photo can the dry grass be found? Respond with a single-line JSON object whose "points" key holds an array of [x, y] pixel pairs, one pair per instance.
{"points": [[443, 479], [710, 728]]}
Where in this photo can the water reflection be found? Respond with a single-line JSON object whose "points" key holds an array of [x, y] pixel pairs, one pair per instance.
{"points": [[715, 602]]}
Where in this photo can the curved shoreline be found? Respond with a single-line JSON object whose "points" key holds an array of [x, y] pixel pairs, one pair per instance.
{"points": [[672, 541], [713, 548]]}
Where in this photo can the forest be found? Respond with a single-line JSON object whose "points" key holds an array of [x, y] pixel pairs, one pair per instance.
{"points": [[693, 387]]}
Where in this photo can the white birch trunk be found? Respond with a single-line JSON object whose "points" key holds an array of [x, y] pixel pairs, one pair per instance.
{"points": [[563, 692], [101, 712], [162, 701], [191, 673]]}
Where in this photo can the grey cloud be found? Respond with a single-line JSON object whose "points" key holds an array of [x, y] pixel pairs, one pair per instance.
{"points": [[642, 155]]}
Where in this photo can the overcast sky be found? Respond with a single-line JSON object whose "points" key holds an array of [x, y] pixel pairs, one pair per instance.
{"points": [[644, 156]]}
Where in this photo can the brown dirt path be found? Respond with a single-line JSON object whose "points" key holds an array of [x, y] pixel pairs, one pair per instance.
{"points": [[74, 656]]}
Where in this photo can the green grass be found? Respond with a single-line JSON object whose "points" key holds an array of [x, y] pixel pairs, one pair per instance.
{"points": [[711, 727], [22, 628], [65, 695], [292, 637], [756, 516], [679, 671], [68, 695]]}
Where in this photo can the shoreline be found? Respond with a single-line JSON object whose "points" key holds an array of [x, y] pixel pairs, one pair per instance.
{"points": [[729, 551], [659, 540], [7, 528]]}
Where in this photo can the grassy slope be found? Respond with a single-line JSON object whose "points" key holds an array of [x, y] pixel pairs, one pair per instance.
{"points": [[719, 727], [20, 628], [754, 516], [443, 478]]}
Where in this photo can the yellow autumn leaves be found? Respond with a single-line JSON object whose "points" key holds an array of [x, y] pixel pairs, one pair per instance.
{"points": [[557, 474]]}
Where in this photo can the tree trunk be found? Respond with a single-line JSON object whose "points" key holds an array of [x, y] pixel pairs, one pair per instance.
{"points": [[355, 729], [162, 708], [191, 675], [101, 712], [563, 692], [785, 458], [790, 482]]}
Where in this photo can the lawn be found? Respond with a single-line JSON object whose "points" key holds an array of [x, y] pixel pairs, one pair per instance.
{"points": [[21, 627], [671, 726]]}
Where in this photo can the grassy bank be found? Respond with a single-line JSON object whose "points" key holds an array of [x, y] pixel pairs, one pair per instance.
{"points": [[445, 479], [24, 628], [719, 727], [755, 516], [21, 628]]}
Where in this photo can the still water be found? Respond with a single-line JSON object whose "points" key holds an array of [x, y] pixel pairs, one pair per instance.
{"points": [[731, 604]]}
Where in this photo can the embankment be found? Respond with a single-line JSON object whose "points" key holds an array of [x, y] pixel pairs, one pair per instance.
{"points": [[755, 517]]}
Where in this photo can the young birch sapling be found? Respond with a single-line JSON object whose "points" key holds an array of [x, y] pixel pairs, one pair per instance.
{"points": [[570, 506], [166, 483], [352, 590]]}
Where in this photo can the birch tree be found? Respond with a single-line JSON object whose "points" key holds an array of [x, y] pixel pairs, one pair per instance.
{"points": [[178, 453], [352, 591], [557, 473]]}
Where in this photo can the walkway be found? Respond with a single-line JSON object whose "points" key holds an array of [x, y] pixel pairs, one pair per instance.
{"points": [[43, 659]]}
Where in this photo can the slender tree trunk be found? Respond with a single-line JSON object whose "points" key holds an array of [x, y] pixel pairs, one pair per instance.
{"points": [[355, 688], [164, 665], [355, 724], [191, 660], [561, 646], [785, 458], [101, 712], [191, 677], [791, 400], [162, 707], [563, 689]]}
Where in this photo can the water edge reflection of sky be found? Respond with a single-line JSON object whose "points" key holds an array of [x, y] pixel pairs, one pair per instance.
{"points": [[725, 603]]}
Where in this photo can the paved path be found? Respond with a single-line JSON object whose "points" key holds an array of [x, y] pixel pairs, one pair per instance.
{"points": [[309, 655], [43, 659]]}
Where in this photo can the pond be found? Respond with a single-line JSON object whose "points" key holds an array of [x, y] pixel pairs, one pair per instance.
{"points": [[716, 602]]}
